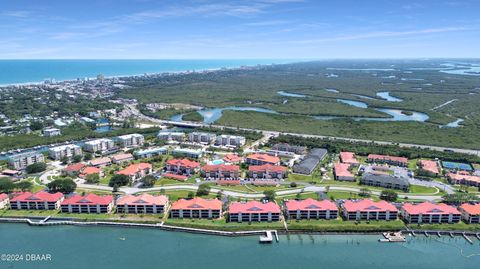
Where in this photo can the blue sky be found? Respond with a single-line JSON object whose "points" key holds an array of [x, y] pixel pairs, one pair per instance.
{"points": [[293, 29]]}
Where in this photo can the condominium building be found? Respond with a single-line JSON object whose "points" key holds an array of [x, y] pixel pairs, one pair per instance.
{"points": [[122, 157], [289, 148], [187, 153], [261, 159], [392, 160], [199, 137], [253, 211], [369, 210], [41, 200], [342, 172], [136, 171], [4, 200], [196, 208], [22, 160], [348, 157], [221, 171], [151, 152], [171, 136], [99, 145], [470, 212], [311, 209], [267, 171], [131, 140], [428, 212], [142, 204], [230, 141], [181, 166], [385, 181], [310, 162], [70, 150], [49, 132], [90, 203]]}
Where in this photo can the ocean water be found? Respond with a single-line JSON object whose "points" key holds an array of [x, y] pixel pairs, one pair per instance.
{"points": [[103, 247], [25, 71]]}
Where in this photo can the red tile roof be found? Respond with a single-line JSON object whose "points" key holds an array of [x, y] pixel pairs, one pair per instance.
{"points": [[341, 170], [310, 204], [183, 162], [228, 182], [91, 170], [122, 156], [232, 158], [430, 166], [264, 158], [197, 203], [175, 176], [76, 167], [267, 168], [221, 167], [134, 168], [41, 196], [89, 199], [429, 208], [471, 209], [253, 207], [3, 196], [348, 157], [143, 199], [100, 161], [465, 177], [387, 158], [368, 205]]}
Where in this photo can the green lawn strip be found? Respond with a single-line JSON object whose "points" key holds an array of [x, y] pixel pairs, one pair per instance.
{"points": [[462, 226], [222, 224], [339, 225]]}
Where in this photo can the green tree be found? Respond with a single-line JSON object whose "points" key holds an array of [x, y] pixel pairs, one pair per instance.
{"points": [[119, 180], [148, 181], [63, 185], [36, 125], [6, 185], [365, 192], [92, 178], [36, 168], [191, 195], [88, 156], [203, 190], [23, 185], [269, 195], [77, 158], [389, 195], [64, 160]]}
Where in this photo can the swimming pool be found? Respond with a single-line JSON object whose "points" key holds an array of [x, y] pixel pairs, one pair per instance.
{"points": [[218, 161]]}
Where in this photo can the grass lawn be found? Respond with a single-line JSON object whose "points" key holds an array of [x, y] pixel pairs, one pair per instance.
{"points": [[55, 213], [339, 225], [456, 226], [222, 224], [168, 181]]}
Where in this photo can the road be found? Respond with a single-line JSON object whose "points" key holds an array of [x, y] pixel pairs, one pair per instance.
{"points": [[134, 111], [133, 190]]}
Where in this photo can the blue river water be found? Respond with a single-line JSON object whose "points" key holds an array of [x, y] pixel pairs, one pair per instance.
{"points": [[102, 247], [25, 71]]}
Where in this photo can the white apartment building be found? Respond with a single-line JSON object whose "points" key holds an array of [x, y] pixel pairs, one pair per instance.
{"points": [[171, 136], [131, 140], [102, 145], [22, 160], [199, 137], [68, 151], [51, 132], [230, 141]]}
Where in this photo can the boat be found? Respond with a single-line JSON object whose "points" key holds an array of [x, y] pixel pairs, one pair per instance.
{"points": [[122, 238], [393, 237]]}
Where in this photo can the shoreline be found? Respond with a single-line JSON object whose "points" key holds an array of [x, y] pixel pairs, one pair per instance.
{"points": [[173, 228], [145, 74]]}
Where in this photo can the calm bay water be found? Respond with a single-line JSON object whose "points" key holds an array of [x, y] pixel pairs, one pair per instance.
{"points": [[101, 247], [24, 71]]}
